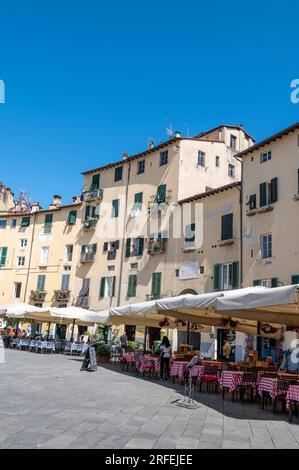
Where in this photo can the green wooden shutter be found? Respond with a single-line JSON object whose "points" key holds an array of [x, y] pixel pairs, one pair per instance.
{"points": [[132, 285], [102, 287], [216, 277], [235, 282], [115, 207], [274, 189], [72, 218], [41, 281], [161, 194], [140, 246], [256, 282], [128, 247], [138, 198], [156, 285], [227, 227], [274, 281], [113, 287], [295, 279], [298, 181], [95, 181], [252, 202], [3, 254], [87, 212], [117, 244], [263, 194]]}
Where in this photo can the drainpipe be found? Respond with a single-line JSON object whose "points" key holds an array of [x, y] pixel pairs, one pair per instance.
{"points": [[123, 236], [30, 257]]}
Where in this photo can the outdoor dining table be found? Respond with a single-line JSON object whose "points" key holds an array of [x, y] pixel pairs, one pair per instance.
{"points": [[268, 385], [178, 369], [153, 362], [230, 380], [292, 395], [128, 357]]}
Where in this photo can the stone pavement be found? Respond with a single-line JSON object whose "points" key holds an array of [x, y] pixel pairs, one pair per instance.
{"points": [[46, 402]]}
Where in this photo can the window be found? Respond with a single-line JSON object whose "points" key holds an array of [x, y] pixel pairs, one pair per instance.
{"points": [[48, 223], [65, 282], [3, 255], [68, 253], [17, 290], [23, 242], [44, 255], [13, 223], [88, 252], [272, 282], [252, 202], [161, 194], [132, 285], [190, 235], [217, 161], [140, 167], [71, 220], [156, 285], [227, 227], [134, 247], [295, 279], [107, 287], [266, 156], [118, 173], [164, 157], [133, 266], [41, 282], [25, 222], [201, 159], [269, 192], [115, 208], [21, 260], [233, 141], [231, 170], [83, 297], [95, 183], [111, 249], [137, 206], [111, 268], [3, 223], [226, 276], [266, 246]]}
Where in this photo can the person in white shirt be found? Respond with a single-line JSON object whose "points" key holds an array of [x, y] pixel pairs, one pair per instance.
{"points": [[165, 349]]}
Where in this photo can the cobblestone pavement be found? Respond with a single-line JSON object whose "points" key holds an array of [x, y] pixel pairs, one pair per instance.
{"points": [[46, 402]]}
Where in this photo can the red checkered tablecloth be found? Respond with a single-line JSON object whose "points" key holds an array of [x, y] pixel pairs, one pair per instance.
{"points": [[152, 362], [268, 385], [292, 394], [230, 379], [128, 357], [177, 369]]}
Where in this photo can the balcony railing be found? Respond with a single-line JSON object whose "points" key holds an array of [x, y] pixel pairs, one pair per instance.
{"points": [[62, 294], [87, 257], [156, 246], [90, 223], [92, 195], [38, 295]]}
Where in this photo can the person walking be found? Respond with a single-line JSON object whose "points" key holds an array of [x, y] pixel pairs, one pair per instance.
{"points": [[165, 349]]}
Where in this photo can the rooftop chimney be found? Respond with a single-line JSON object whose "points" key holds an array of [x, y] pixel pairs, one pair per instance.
{"points": [[35, 206], [177, 134], [56, 202], [76, 199]]}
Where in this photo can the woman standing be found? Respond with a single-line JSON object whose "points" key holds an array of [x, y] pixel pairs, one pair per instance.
{"points": [[165, 357]]}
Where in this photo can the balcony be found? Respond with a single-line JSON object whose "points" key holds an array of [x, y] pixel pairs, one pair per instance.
{"points": [[92, 195], [87, 257], [83, 301], [38, 295], [156, 246], [62, 294], [90, 223]]}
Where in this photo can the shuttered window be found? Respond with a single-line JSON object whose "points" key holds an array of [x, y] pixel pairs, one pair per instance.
{"points": [[25, 222], [41, 282], [295, 279], [118, 173], [269, 192], [115, 208], [138, 198], [95, 183], [107, 287], [72, 218], [216, 273], [65, 282], [164, 157], [156, 285], [132, 285], [48, 223], [3, 255], [252, 202], [161, 193], [227, 227]]}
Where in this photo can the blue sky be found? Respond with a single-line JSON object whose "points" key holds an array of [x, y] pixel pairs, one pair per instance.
{"points": [[87, 81]]}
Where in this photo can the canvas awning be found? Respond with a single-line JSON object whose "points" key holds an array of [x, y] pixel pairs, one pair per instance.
{"points": [[81, 316]]}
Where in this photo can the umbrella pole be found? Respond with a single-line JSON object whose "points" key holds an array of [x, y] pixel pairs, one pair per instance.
{"points": [[73, 328], [48, 332], [17, 327], [188, 332]]}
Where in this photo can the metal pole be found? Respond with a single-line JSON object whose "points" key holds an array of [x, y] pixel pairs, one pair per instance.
{"points": [[48, 332], [72, 337], [188, 332], [145, 335]]}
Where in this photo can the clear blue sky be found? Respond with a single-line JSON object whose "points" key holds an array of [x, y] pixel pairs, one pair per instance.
{"points": [[87, 81]]}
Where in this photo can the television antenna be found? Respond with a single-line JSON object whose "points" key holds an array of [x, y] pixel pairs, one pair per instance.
{"points": [[169, 129]]}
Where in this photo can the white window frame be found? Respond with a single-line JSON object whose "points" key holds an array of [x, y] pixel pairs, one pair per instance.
{"points": [[67, 252], [201, 159], [231, 170], [44, 255], [266, 246], [266, 156], [226, 276], [21, 260], [14, 294]]}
